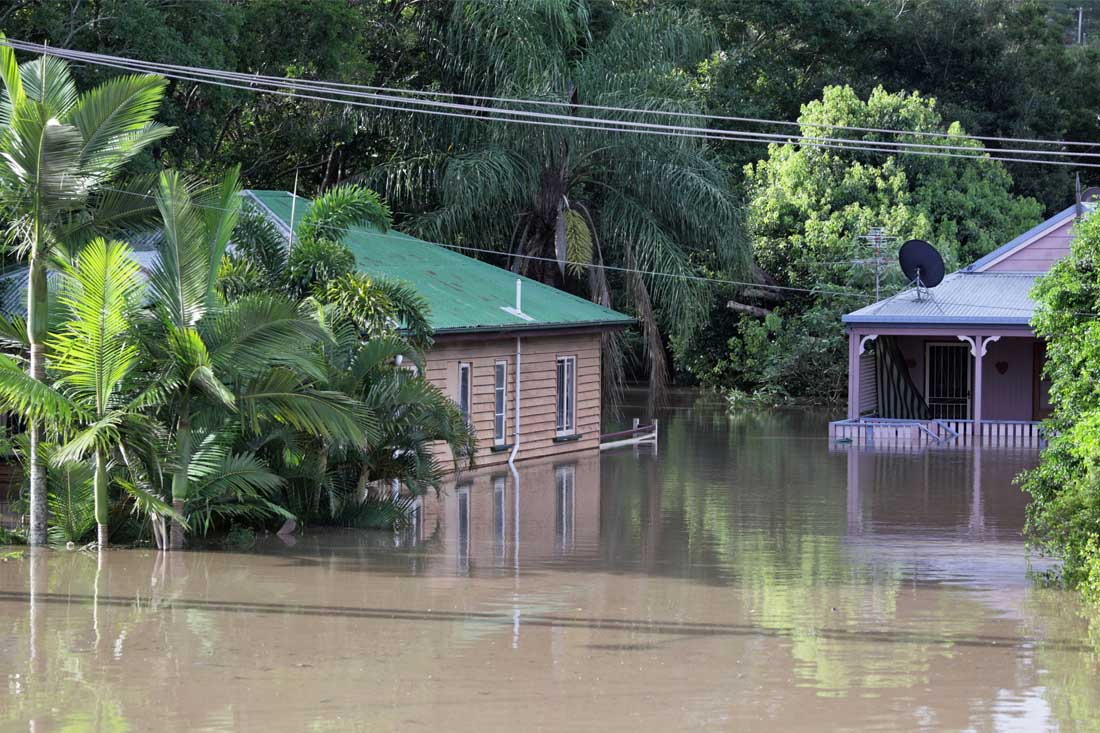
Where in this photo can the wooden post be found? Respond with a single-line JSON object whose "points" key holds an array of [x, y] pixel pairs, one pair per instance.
{"points": [[853, 376]]}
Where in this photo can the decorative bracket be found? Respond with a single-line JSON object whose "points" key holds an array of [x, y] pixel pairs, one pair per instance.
{"points": [[863, 342], [979, 342]]}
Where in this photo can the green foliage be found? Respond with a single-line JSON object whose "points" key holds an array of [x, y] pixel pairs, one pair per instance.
{"points": [[807, 209], [378, 307], [377, 513], [788, 357], [1063, 517], [316, 261], [11, 537], [71, 500], [1090, 585]]}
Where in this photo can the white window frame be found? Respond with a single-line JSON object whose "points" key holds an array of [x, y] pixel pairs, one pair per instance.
{"points": [[466, 394], [565, 404], [500, 402]]}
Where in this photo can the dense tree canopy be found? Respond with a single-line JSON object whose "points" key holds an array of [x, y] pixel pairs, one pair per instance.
{"points": [[807, 209], [997, 68]]}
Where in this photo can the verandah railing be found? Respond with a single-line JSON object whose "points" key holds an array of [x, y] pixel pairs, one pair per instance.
{"points": [[889, 431]]}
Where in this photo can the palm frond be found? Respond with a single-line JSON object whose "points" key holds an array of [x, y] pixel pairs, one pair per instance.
{"points": [[340, 208], [30, 398], [115, 119], [71, 501], [178, 281], [47, 81], [280, 397], [93, 351]]}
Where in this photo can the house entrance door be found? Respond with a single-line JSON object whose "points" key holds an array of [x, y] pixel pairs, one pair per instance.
{"points": [[947, 374]]}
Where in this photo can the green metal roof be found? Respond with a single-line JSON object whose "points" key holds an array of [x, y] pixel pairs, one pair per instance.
{"points": [[465, 295]]}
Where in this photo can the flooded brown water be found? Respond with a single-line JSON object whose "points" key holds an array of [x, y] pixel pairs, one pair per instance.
{"points": [[749, 576]]}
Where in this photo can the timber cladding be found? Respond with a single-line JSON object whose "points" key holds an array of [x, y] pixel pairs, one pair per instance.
{"points": [[539, 356]]}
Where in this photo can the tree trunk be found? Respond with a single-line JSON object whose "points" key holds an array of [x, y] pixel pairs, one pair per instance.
{"points": [[179, 480], [102, 511], [36, 332]]}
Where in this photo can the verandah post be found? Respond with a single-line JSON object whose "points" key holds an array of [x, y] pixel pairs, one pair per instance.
{"points": [[979, 349], [853, 375]]}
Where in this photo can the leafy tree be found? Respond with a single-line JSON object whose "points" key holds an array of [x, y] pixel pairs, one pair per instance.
{"points": [[549, 196], [1064, 514], [808, 207], [59, 150], [1001, 68], [272, 138]]}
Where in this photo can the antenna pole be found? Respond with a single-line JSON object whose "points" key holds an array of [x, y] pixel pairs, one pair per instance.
{"points": [[876, 237], [293, 201]]}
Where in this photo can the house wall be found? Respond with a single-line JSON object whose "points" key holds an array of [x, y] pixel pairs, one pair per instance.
{"points": [[1039, 255], [1007, 396], [538, 396]]}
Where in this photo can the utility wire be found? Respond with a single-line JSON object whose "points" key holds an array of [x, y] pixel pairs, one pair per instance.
{"points": [[373, 91], [267, 82], [597, 124]]}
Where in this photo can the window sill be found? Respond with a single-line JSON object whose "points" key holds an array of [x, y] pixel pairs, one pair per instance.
{"points": [[500, 448], [568, 438]]}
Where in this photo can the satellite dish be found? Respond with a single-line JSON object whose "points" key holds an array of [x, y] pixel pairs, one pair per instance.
{"points": [[921, 263], [1090, 195]]}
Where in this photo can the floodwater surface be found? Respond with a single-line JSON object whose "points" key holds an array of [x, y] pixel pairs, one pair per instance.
{"points": [[747, 576]]}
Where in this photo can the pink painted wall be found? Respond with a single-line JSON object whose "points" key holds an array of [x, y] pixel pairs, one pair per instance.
{"points": [[1006, 396], [1039, 255]]}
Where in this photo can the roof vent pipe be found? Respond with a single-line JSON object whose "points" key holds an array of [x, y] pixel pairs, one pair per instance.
{"points": [[519, 295]]}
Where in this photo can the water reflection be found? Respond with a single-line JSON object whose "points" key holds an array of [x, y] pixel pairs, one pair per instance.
{"points": [[749, 575]]}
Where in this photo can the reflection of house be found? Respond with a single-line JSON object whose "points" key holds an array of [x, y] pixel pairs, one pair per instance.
{"points": [[482, 519], [960, 360], [487, 320]]}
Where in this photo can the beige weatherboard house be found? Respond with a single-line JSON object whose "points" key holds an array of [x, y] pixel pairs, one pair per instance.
{"points": [[520, 358]]}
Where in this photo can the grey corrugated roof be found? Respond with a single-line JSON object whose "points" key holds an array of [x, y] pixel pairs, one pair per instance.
{"points": [[987, 298]]}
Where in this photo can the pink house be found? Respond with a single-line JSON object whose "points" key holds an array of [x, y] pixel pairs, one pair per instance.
{"points": [[958, 363]]}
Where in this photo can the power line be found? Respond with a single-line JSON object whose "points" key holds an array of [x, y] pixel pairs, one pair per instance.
{"points": [[266, 82], [596, 124], [348, 89]]}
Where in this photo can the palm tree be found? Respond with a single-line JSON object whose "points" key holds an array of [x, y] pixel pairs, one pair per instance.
{"points": [[241, 367], [91, 407], [563, 201], [58, 149], [378, 326], [384, 372]]}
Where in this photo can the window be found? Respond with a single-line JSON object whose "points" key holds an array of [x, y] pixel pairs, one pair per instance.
{"points": [[500, 401], [464, 390], [567, 395]]}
